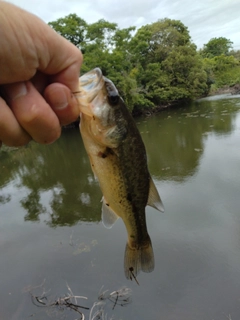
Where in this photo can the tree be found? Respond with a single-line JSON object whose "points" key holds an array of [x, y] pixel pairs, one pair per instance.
{"points": [[71, 27], [216, 47], [235, 54], [186, 70], [171, 68], [98, 45], [101, 33], [156, 66], [222, 70], [153, 43], [122, 38]]}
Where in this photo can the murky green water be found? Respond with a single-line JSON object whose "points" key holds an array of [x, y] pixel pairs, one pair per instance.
{"points": [[51, 236]]}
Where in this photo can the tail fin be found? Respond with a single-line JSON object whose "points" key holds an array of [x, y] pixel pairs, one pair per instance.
{"points": [[137, 259]]}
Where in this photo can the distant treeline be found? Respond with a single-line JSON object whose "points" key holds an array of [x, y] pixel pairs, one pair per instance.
{"points": [[156, 65]]}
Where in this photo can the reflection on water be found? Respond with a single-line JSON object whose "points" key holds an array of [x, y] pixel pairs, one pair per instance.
{"points": [[175, 140], [50, 209], [60, 173]]}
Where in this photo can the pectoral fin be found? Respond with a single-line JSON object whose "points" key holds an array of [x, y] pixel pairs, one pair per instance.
{"points": [[109, 217], [154, 199]]}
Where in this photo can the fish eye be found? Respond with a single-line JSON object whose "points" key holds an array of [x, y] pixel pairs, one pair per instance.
{"points": [[113, 96], [113, 99]]}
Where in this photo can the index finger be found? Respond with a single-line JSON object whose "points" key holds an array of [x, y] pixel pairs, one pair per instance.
{"points": [[62, 61]]}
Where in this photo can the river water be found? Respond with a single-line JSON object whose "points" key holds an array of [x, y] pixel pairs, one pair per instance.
{"points": [[52, 241]]}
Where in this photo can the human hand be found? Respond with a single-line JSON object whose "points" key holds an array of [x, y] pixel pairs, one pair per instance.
{"points": [[39, 70]]}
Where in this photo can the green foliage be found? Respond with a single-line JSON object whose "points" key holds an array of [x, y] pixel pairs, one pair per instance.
{"points": [[155, 66], [167, 36], [72, 27], [216, 47], [101, 33], [122, 38], [171, 68], [235, 54], [222, 70]]}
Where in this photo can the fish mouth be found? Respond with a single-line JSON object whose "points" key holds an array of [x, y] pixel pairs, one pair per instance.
{"points": [[91, 83]]}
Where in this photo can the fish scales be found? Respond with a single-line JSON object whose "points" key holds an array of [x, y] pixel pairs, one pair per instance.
{"points": [[133, 164]]}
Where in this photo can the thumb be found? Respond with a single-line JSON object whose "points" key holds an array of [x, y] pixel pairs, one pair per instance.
{"points": [[63, 102]]}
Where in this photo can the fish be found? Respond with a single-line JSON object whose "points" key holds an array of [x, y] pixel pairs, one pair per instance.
{"points": [[119, 162]]}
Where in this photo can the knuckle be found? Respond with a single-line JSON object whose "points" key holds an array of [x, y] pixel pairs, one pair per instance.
{"points": [[32, 115]]}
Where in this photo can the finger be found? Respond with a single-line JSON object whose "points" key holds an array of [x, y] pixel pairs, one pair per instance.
{"points": [[32, 112], [64, 67], [37, 47], [11, 133], [63, 103], [70, 75]]}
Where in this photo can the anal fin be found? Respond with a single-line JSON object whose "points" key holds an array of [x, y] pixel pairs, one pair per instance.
{"points": [[154, 199]]}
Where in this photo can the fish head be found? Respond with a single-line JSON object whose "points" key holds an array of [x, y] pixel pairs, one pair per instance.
{"points": [[99, 103]]}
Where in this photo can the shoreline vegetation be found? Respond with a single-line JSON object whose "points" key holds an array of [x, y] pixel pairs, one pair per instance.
{"points": [[156, 66], [234, 90]]}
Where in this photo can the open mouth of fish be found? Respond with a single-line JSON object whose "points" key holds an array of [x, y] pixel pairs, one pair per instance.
{"points": [[91, 83]]}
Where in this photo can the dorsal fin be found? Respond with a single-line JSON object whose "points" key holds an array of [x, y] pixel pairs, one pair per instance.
{"points": [[154, 199]]}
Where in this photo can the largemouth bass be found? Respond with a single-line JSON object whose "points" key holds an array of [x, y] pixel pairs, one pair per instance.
{"points": [[118, 159]]}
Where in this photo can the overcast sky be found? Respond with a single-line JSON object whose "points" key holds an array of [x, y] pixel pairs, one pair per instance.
{"points": [[205, 19]]}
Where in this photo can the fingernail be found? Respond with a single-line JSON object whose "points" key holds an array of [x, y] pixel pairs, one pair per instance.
{"points": [[61, 101], [16, 90]]}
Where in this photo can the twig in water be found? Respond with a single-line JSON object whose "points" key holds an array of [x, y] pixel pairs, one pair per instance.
{"points": [[132, 275]]}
